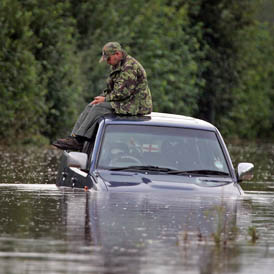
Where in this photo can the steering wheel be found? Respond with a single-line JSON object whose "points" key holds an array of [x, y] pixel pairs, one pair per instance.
{"points": [[125, 159]]}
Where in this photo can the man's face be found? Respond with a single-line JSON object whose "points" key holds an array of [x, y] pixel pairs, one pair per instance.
{"points": [[114, 59]]}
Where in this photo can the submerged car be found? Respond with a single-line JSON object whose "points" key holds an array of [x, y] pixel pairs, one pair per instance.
{"points": [[156, 152]]}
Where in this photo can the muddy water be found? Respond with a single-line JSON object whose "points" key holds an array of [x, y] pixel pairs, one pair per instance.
{"points": [[47, 230]]}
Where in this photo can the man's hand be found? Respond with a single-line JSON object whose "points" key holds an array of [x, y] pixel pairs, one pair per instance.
{"points": [[98, 100]]}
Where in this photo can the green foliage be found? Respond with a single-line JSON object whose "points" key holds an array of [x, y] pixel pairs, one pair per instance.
{"points": [[239, 56], [55, 50], [222, 22], [210, 59], [22, 94], [40, 80], [253, 112]]}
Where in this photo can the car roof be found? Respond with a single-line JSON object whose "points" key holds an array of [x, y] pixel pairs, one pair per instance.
{"points": [[160, 119]]}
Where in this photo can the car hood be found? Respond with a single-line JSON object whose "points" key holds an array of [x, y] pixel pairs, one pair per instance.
{"points": [[135, 181]]}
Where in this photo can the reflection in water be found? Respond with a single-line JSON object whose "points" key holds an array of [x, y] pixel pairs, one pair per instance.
{"points": [[162, 234], [46, 230]]}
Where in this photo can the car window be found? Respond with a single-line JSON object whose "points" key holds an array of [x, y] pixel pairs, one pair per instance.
{"points": [[176, 148]]}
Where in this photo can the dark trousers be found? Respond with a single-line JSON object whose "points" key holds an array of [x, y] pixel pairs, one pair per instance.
{"points": [[85, 124]]}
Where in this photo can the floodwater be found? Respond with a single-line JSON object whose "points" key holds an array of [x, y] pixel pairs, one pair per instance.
{"points": [[44, 229]]}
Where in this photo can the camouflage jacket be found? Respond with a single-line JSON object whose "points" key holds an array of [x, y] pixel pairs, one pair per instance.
{"points": [[127, 88]]}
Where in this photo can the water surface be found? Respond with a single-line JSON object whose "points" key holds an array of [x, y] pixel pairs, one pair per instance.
{"points": [[49, 230]]}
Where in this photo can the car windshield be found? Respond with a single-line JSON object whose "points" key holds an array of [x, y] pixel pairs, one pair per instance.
{"points": [[165, 149]]}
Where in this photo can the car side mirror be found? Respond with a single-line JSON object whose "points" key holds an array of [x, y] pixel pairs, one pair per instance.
{"points": [[245, 171], [77, 159]]}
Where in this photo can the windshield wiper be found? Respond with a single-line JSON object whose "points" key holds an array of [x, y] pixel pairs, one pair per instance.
{"points": [[172, 171], [145, 168], [200, 172]]}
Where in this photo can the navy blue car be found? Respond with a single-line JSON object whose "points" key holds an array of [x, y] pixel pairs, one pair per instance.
{"points": [[157, 152]]}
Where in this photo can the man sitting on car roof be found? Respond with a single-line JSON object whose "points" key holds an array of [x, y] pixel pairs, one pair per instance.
{"points": [[127, 93]]}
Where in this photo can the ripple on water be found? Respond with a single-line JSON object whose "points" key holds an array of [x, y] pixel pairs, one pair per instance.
{"points": [[47, 230], [28, 165]]}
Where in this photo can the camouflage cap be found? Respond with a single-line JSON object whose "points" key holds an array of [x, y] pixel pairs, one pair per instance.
{"points": [[109, 49]]}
